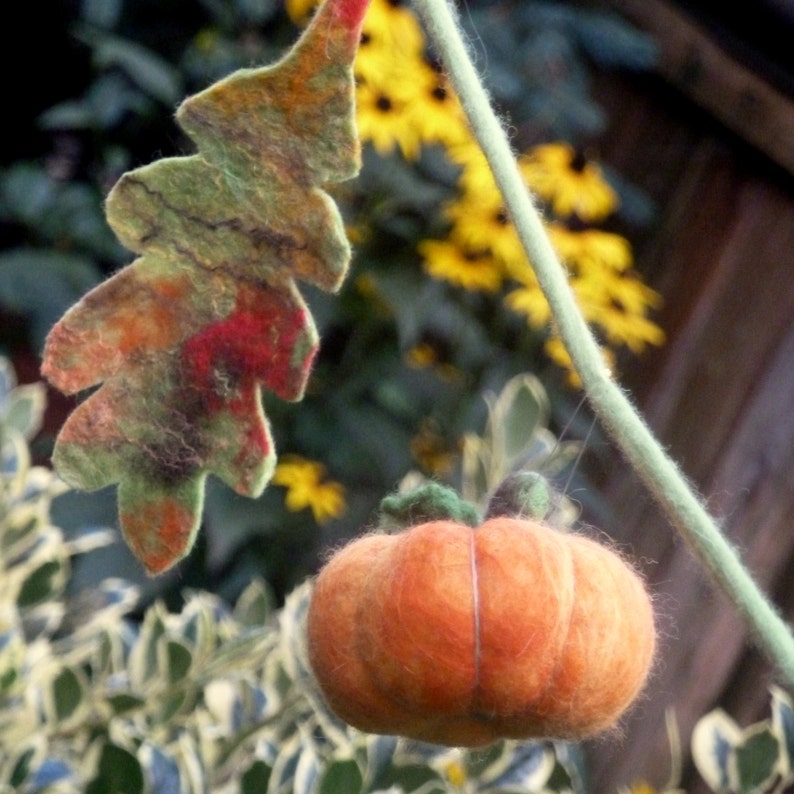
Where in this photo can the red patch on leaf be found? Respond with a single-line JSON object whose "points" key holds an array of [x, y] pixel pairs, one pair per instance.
{"points": [[352, 12], [256, 343]]}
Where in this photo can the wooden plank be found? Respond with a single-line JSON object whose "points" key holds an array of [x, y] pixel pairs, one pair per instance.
{"points": [[718, 394], [693, 61], [721, 402]]}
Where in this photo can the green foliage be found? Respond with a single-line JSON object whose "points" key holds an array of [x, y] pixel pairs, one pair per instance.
{"points": [[758, 759], [208, 698]]}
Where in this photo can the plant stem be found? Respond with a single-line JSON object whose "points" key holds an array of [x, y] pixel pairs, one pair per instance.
{"points": [[610, 403]]}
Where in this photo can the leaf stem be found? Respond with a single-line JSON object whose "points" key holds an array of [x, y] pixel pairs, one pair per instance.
{"points": [[627, 428]]}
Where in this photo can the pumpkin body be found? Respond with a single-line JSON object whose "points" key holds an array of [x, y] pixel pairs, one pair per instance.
{"points": [[462, 636]]}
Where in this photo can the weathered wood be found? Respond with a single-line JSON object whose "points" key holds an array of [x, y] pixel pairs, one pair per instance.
{"points": [[695, 63], [720, 396]]}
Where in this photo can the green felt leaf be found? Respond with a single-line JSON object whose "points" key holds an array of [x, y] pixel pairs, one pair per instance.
{"points": [[184, 339]]}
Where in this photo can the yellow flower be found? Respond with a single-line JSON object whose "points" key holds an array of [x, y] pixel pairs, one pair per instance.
{"points": [[430, 353], [393, 28], [307, 487], [590, 249], [456, 773], [436, 110], [300, 11], [402, 100], [473, 270], [431, 451], [383, 119], [388, 25], [476, 177], [568, 182], [530, 301], [619, 326], [557, 352], [481, 222], [421, 356], [641, 787]]}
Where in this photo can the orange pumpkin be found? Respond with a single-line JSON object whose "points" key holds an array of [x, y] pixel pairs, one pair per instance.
{"points": [[463, 636]]}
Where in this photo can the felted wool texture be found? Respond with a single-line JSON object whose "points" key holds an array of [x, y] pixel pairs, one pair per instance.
{"points": [[184, 338], [608, 651], [346, 633], [577, 679], [462, 636], [408, 651], [428, 502], [334, 612], [526, 594]]}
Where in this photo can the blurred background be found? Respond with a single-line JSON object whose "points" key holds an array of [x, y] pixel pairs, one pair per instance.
{"points": [[659, 137]]}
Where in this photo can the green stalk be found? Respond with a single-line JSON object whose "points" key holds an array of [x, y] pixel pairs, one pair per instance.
{"points": [[618, 415]]}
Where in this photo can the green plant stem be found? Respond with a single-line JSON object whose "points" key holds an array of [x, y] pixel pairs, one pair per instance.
{"points": [[610, 403]]}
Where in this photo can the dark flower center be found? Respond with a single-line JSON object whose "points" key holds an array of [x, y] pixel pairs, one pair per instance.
{"points": [[578, 161]]}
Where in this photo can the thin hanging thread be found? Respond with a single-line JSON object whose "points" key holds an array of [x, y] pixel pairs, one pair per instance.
{"points": [[629, 431]]}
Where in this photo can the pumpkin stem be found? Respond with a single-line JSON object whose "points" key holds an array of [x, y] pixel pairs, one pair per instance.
{"points": [[428, 502], [523, 493]]}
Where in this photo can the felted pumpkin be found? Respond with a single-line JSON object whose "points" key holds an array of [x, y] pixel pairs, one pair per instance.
{"points": [[462, 636]]}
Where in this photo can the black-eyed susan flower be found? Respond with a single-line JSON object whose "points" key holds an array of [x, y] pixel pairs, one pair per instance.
{"points": [[383, 119], [481, 222], [307, 487], [476, 177], [568, 182], [474, 270], [433, 351], [590, 250], [436, 111], [391, 27], [618, 325]]}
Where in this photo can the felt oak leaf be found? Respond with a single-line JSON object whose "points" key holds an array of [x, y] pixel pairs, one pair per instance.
{"points": [[183, 339]]}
